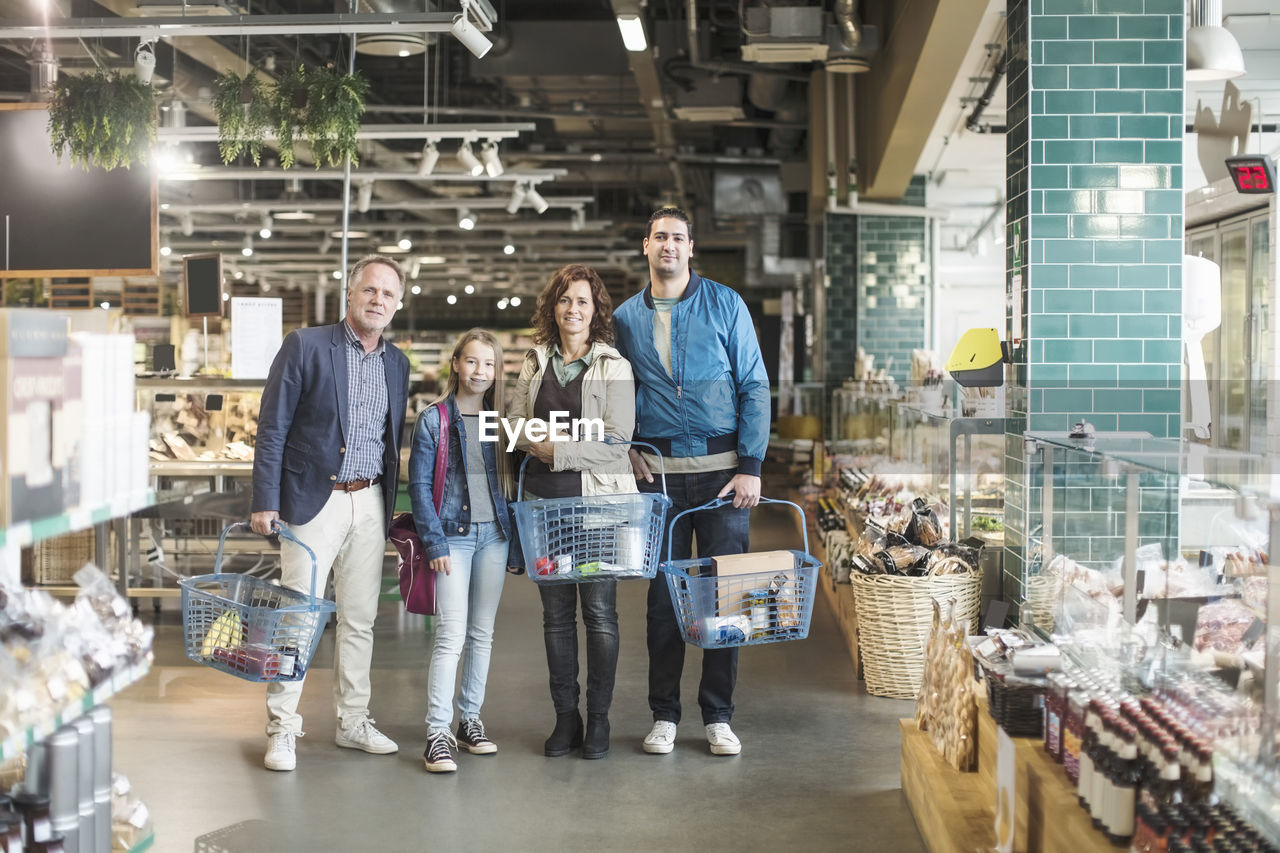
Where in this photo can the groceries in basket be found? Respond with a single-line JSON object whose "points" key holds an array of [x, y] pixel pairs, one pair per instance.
{"points": [[911, 544]]}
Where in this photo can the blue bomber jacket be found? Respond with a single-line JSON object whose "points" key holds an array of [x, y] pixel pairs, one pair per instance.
{"points": [[718, 397]]}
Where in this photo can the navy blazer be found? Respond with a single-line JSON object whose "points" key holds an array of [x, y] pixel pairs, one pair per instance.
{"points": [[303, 420]]}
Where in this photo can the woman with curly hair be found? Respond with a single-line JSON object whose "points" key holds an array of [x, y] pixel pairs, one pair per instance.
{"points": [[574, 369]]}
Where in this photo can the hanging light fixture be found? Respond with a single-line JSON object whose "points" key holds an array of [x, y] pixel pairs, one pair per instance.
{"points": [[364, 197], [1212, 52], [489, 156], [469, 160], [466, 219], [404, 243], [430, 156], [246, 248], [518, 193], [535, 198], [265, 231], [188, 224], [509, 249]]}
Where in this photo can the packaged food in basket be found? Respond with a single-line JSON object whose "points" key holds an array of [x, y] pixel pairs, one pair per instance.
{"points": [[256, 660], [900, 559], [923, 527], [731, 587], [227, 632], [628, 549], [784, 593], [728, 630]]}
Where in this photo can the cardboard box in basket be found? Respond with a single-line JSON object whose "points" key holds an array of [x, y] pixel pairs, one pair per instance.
{"points": [[779, 578]]}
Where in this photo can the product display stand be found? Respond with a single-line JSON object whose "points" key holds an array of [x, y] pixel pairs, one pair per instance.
{"points": [[839, 598], [953, 811]]}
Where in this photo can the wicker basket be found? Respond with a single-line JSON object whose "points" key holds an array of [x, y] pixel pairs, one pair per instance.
{"points": [[1017, 708], [54, 561], [895, 614], [1044, 593]]}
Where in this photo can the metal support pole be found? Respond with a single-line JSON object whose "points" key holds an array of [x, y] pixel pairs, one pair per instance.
{"points": [[1131, 546]]}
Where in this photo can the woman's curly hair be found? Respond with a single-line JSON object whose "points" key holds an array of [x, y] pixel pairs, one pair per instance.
{"points": [[545, 329]]}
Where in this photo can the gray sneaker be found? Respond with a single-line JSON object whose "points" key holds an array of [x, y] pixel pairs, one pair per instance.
{"points": [[364, 736], [280, 751]]}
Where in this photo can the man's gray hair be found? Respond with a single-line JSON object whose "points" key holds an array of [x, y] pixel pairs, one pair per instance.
{"points": [[359, 266]]}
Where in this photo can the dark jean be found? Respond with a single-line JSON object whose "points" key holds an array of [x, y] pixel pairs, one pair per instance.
{"points": [[719, 532], [560, 630]]}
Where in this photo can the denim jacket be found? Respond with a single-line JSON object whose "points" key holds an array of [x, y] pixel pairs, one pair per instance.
{"points": [[454, 518]]}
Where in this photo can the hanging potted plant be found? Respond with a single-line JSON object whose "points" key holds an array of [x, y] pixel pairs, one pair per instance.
{"points": [[103, 119], [335, 105], [290, 112], [244, 108]]}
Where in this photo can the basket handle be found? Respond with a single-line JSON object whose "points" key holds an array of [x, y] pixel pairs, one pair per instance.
{"points": [[716, 503], [607, 440], [277, 528]]}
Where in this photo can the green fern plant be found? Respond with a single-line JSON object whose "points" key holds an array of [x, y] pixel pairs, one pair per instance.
{"points": [[335, 105], [245, 110], [103, 119], [290, 112]]}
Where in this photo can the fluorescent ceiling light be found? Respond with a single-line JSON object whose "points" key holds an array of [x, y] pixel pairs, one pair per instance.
{"points": [[351, 234], [265, 231], [515, 302], [632, 33], [469, 289]]}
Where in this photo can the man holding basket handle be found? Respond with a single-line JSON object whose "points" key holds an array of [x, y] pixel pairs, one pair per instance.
{"points": [[702, 398]]}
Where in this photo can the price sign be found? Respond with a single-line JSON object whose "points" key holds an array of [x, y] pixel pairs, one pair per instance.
{"points": [[1252, 173]]}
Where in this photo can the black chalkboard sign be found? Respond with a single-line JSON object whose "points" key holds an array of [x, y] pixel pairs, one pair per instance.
{"points": [[57, 219], [202, 285]]}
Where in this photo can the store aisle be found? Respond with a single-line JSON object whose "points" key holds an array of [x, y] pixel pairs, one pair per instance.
{"points": [[819, 769]]}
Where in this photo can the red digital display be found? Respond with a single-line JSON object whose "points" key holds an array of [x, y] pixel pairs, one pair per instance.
{"points": [[1252, 174]]}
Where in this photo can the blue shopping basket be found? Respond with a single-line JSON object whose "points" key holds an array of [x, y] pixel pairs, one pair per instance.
{"points": [[742, 609], [249, 627], [593, 537]]}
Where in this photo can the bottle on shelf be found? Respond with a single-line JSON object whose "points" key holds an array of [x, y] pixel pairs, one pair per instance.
{"points": [[1125, 779]]}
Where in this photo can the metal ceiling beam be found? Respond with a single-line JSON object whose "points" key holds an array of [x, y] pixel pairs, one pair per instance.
{"points": [[235, 25], [430, 132], [267, 205], [214, 173]]}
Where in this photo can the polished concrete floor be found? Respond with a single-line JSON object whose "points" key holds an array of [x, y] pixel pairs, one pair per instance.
{"points": [[818, 771]]}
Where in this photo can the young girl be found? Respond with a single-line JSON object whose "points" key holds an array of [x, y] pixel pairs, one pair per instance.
{"points": [[465, 542]]}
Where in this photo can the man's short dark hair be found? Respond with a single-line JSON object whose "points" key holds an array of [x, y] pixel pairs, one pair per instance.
{"points": [[673, 213], [359, 266]]}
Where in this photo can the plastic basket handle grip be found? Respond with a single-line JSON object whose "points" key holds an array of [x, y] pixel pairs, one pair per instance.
{"points": [[279, 529], [662, 473], [716, 503]]}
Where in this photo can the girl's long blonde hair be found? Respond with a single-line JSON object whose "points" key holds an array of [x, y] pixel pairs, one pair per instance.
{"points": [[495, 399]]}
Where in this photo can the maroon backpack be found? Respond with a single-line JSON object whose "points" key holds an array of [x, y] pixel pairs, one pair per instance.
{"points": [[417, 581]]}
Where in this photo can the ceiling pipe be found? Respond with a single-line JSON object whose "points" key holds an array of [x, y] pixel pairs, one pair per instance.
{"points": [[232, 25], [997, 75], [231, 173], [260, 206], [850, 27]]}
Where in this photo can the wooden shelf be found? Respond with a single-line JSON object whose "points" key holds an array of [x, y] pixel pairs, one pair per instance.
{"points": [[954, 811]]}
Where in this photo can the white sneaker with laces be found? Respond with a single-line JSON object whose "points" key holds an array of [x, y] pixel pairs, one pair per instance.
{"points": [[364, 736], [661, 738], [280, 751], [722, 739]]}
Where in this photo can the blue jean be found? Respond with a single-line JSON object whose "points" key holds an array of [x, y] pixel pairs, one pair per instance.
{"points": [[560, 631], [719, 532], [466, 607]]}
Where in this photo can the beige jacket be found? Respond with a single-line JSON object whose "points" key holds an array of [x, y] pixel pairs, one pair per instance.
{"points": [[608, 393]]}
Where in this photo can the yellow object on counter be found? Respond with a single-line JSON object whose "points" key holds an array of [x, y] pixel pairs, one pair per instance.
{"points": [[225, 633]]}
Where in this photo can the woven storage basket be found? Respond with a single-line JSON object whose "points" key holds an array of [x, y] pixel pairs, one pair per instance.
{"points": [[895, 614], [1044, 592], [54, 561]]}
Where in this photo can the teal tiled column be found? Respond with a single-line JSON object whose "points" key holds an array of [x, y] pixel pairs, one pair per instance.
{"points": [[1094, 227]]}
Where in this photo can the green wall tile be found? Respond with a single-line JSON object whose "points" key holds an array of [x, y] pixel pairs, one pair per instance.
{"points": [[1050, 127], [1087, 76], [1118, 302], [1119, 252], [1068, 251], [1164, 102], [1064, 400], [1143, 326], [1163, 301], [1165, 352], [1112, 151], [1119, 102], [1144, 127], [1120, 201], [1049, 177], [1067, 52], [1094, 127], [1154, 227], [1093, 27], [1163, 201], [1153, 424], [1164, 152], [1122, 7], [1052, 226], [1142, 375], [1067, 301], [1144, 77], [1045, 326], [1047, 276], [1144, 277], [1146, 177], [1174, 8], [1162, 401], [1048, 27], [1094, 177], [1143, 26], [1162, 52], [1068, 103], [1112, 401], [1068, 152], [1094, 275], [1163, 251], [1094, 326], [1095, 225], [1051, 76], [1067, 7], [1093, 376], [1120, 52], [1068, 201]]}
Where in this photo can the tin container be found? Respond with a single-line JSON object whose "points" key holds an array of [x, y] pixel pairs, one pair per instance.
{"points": [[101, 717], [64, 770], [757, 604], [629, 549]]}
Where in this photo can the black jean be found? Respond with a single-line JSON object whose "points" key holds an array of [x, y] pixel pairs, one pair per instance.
{"points": [[560, 630], [719, 532]]}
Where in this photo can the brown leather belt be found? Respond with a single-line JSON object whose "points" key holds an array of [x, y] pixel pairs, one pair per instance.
{"points": [[356, 485]]}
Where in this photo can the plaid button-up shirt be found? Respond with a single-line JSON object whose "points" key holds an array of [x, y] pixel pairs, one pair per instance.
{"points": [[367, 412]]}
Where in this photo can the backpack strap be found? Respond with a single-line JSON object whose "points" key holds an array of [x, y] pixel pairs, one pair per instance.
{"points": [[442, 457]]}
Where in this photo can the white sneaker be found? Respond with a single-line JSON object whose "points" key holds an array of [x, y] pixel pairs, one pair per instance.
{"points": [[280, 751], [661, 738], [364, 736], [722, 739]]}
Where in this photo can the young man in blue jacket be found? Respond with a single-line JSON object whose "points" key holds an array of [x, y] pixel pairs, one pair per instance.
{"points": [[702, 398]]}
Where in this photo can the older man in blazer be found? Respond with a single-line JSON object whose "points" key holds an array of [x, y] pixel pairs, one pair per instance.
{"points": [[325, 466]]}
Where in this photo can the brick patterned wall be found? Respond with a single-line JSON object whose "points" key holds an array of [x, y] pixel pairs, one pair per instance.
{"points": [[841, 296]]}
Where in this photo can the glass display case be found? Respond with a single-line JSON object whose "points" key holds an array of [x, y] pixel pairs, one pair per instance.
{"points": [[860, 418], [200, 424]]}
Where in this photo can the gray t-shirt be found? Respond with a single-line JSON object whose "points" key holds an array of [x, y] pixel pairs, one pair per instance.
{"points": [[477, 474]]}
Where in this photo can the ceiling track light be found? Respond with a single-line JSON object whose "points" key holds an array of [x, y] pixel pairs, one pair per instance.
{"points": [[188, 225], [579, 220], [469, 34], [466, 219], [536, 200], [404, 243], [364, 197], [265, 231], [165, 249], [246, 248], [469, 160], [518, 193], [489, 156], [144, 61], [430, 156]]}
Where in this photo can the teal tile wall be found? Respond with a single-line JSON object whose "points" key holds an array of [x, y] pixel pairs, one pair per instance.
{"points": [[841, 296], [1094, 145]]}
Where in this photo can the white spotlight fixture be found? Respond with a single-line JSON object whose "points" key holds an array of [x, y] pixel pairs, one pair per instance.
{"points": [[518, 193], [535, 198], [225, 296], [579, 220], [1212, 51], [515, 302], [337, 274], [469, 289], [416, 289], [632, 29], [165, 249], [144, 62], [265, 231], [246, 248], [430, 156], [405, 243], [451, 299], [489, 156], [466, 219], [326, 244], [502, 303], [239, 275], [104, 305], [470, 36], [364, 197], [188, 225], [509, 249], [415, 268], [469, 160]]}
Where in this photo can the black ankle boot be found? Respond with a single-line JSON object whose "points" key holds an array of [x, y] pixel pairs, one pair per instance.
{"points": [[596, 743], [567, 735]]}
